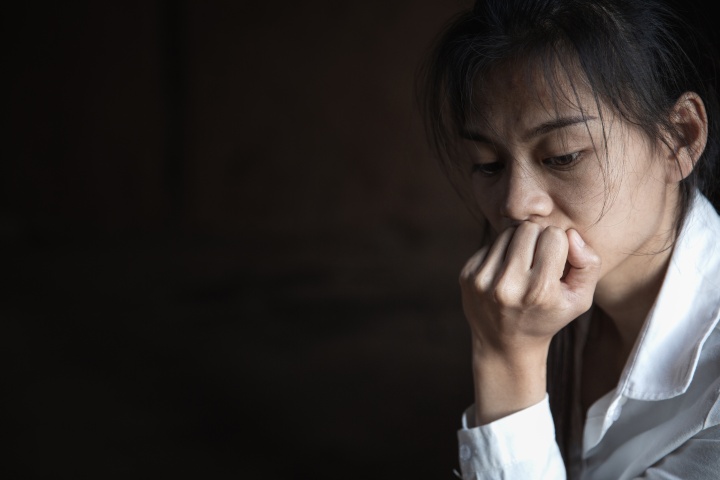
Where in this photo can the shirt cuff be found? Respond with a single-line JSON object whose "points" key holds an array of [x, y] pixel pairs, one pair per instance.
{"points": [[523, 442]]}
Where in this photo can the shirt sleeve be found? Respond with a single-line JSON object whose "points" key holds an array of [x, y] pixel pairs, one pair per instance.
{"points": [[520, 446]]}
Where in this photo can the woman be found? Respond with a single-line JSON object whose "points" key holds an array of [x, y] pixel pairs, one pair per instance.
{"points": [[587, 141]]}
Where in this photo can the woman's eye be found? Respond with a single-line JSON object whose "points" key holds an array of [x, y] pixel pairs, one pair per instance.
{"points": [[487, 169], [562, 160]]}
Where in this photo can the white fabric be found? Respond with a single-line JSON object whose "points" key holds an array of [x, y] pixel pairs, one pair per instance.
{"points": [[662, 421]]}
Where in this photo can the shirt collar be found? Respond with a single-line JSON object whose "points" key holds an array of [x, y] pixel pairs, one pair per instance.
{"points": [[685, 312]]}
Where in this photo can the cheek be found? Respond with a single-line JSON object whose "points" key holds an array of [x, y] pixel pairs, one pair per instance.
{"points": [[585, 194], [489, 202]]}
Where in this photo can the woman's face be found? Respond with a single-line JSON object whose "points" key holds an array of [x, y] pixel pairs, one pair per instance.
{"points": [[557, 160]]}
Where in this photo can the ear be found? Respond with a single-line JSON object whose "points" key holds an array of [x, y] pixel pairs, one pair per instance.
{"points": [[689, 118]]}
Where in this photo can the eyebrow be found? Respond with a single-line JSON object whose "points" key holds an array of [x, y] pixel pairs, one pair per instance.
{"points": [[541, 129]]}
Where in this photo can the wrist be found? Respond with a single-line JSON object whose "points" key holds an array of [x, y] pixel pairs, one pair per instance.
{"points": [[508, 381], [515, 354]]}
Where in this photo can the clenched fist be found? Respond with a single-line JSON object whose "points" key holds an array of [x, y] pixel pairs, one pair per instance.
{"points": [[530, 283]]}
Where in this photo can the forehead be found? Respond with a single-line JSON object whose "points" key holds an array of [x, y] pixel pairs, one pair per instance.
{"points": [[528, 93]]}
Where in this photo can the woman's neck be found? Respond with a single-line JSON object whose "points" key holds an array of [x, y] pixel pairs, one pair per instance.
{"points": [[627, 294]]}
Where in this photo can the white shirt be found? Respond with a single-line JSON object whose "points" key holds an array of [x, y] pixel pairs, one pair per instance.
{"points": [[662, 421]]}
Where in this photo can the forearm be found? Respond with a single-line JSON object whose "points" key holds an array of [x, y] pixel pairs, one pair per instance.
{"points": [[507, 382]]}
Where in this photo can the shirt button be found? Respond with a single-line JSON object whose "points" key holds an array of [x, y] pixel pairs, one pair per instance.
{"points": [[465, 453]]}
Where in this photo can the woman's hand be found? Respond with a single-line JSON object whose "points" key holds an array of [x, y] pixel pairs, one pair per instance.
{"points": [[516, 295]]}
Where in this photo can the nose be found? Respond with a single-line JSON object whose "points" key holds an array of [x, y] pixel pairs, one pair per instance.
{"points": [[526, 196]]}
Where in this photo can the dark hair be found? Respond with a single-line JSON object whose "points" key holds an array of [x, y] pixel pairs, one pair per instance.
{"points": [[636, 56]]}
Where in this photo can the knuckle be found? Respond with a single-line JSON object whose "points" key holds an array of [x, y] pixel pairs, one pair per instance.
{"points": [[482, 281], [597, 260], [500, 297], [554, 231], [468, 279], [503, 294], [555, 234], [472, 267]]}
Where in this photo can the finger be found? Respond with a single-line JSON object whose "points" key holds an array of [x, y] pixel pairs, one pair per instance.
{"points": [[584, 264], [521, 250], [488, 271], [550, 255], [471, 267]]}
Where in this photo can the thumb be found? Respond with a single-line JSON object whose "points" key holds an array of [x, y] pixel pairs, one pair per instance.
{"points": [[583, 269]]}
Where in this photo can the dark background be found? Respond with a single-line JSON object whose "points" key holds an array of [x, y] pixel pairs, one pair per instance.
{"points": [[227, 251]]}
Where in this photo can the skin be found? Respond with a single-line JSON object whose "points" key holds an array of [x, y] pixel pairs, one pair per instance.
{"points": [[576, 220]]}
